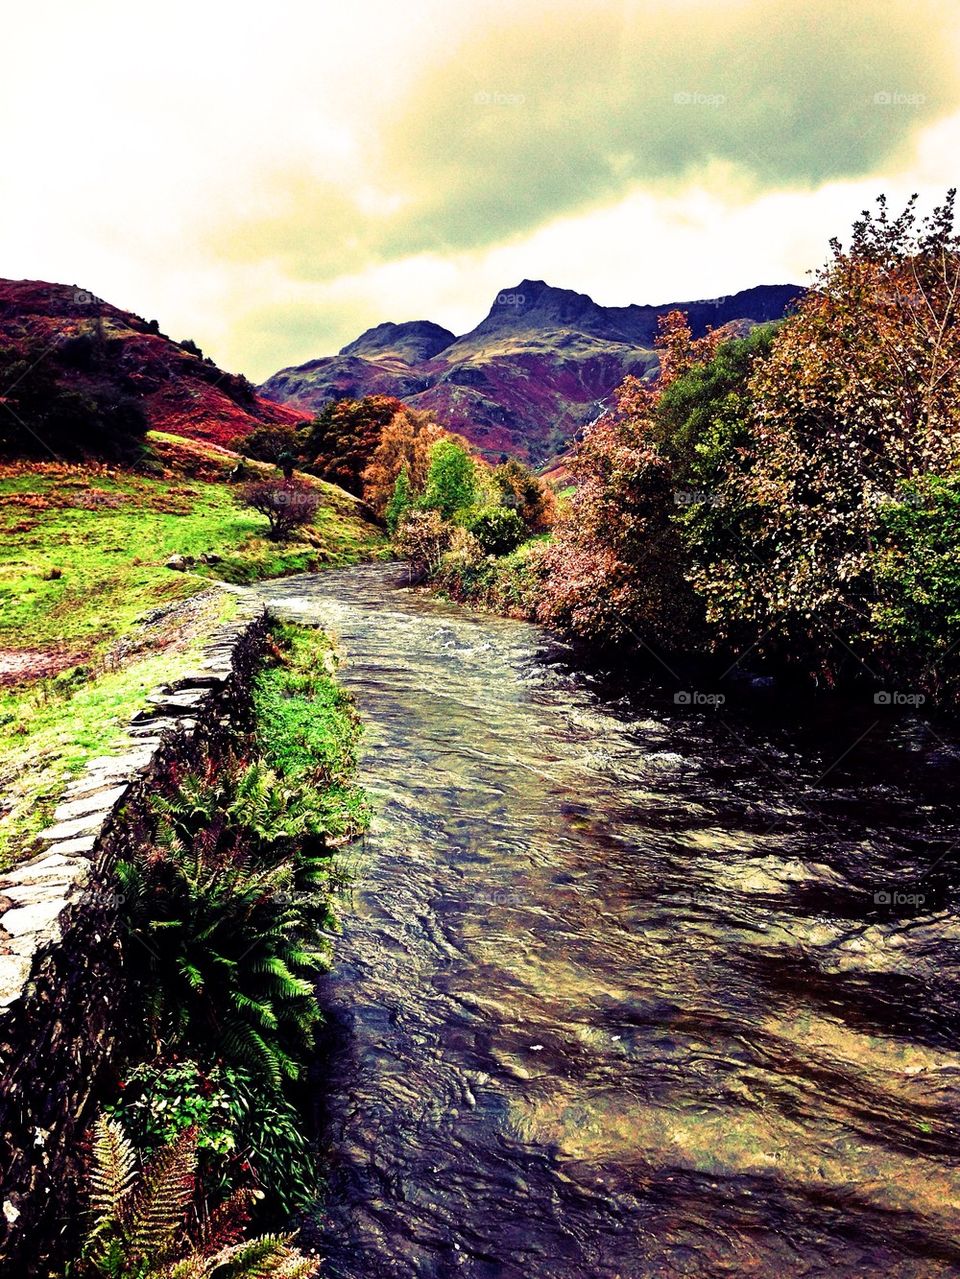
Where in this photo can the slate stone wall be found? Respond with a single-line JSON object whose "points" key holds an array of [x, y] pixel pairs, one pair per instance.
{"points": [[64, 1013]]}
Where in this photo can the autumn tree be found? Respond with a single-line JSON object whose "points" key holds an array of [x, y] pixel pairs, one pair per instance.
{"points": [[343, 438], [522, 491], [856, 405], [615, 566], [404, 445], [615, 569], [287, 504]]}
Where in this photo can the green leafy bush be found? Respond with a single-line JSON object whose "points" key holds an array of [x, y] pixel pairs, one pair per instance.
{"points": [[244, 1134], [498, 529]]}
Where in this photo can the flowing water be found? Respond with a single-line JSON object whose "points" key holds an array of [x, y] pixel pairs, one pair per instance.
{"points": [[631, 988]]}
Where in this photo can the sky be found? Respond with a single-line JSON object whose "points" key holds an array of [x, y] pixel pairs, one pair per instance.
{"points": [[270, 179]]}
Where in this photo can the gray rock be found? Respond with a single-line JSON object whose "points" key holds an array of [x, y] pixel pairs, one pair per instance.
{"points": [[79, 847], [14, 971], [86, 825], [97, 801], [37, 918]]}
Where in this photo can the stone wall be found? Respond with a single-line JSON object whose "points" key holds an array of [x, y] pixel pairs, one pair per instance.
{"points": [[64, 1014]]}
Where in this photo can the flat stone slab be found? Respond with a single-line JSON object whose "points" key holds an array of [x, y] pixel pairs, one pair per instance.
{"points": [[186, 700], [14, 971], [95, 802], [197, 680], [78, 847], [40, 891], [48, 863], [78, 826], [33, 919]]}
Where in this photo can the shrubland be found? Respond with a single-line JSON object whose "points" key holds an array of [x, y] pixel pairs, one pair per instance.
{"points": [[791, 491]]}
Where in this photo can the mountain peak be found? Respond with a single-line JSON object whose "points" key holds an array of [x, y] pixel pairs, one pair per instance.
{"points": [[543, 363], [410, 342]]}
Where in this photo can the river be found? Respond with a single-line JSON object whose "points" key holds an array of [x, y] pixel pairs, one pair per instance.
{"points": [[629, 987]]}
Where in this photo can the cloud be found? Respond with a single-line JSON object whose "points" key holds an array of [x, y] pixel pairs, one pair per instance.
{"points": [[567, 107], [271, 181]]}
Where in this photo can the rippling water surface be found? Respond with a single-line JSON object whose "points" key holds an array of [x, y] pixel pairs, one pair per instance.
{"points": [[619, 994]]}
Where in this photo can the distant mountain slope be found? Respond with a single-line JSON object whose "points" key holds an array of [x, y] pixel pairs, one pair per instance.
{"points": [[79, 344], [543, 363]]}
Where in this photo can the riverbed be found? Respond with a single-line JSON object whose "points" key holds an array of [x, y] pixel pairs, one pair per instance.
{"points": [[632, 985]]}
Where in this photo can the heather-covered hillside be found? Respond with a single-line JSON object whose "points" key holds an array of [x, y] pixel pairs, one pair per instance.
{"points": [[81, 377]]}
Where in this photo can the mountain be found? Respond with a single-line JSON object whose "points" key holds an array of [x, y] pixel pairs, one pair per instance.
{"points": [[543, 363], [61, 345]]}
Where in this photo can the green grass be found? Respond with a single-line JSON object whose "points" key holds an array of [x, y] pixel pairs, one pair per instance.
{"points": [[83, 553], [306, 726], [49, 729], [82, 559]]}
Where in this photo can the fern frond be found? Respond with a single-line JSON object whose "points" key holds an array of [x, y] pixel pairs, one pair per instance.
{"points": [[161, 1202], [113, 1173], [268, 1257]]}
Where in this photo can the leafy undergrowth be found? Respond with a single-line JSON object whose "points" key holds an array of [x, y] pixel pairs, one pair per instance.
{"points": [[83, 553], [307, 727], [231, 900]]}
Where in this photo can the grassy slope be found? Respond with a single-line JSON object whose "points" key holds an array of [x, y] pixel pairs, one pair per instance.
{"points": [[83, 558]]}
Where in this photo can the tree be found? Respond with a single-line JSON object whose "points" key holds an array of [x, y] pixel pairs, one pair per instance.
{"points": [[342, 439], [400, 501], [422, 539], [451, 484], [42, 416], [857, 398], [534, 502], [498, 529], [615, 566], [287, 504], [268, 443], [405, 443]]}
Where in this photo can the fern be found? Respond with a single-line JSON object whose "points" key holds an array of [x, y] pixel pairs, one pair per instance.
{"points": [[140, 1228], [161, 1202], [112, 1176]]}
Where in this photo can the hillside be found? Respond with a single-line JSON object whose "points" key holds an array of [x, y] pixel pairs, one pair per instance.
{"points": [[542, 364], [91, 612], [65, 353]]}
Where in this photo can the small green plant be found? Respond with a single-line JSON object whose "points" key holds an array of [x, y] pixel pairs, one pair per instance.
{"points": [[151, 1223], [244, 1133]]}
